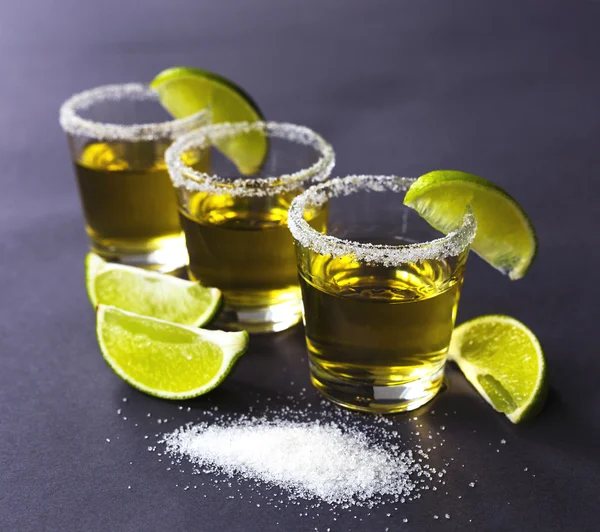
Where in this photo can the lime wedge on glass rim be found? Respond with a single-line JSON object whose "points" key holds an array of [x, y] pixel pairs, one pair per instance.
{"points": [[150, 293], [505, 236], [184, 91], [165, 359], [504, 362]]}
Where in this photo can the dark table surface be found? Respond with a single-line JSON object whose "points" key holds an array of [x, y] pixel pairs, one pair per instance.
{"points": [[507, 90]]}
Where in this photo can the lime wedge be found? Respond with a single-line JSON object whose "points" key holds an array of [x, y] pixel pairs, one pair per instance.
{"points": [[505, 236], [184, 91], [150, 293], [505, 363], [165, 359]]}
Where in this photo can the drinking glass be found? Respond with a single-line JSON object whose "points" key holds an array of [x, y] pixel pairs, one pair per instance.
{"points": [[235, 216], [380, 288], [118, 135]]}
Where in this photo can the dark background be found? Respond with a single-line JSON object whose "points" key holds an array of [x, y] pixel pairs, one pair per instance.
{"points": [[508, 90]]}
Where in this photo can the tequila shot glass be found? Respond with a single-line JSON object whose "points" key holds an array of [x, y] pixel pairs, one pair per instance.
{"points": [[235, 216], [380, 288], [118, 135]]}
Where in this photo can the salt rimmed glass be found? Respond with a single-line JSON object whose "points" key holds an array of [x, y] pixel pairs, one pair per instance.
{"points": [[118, 135], [236, 224], [380, 288]]}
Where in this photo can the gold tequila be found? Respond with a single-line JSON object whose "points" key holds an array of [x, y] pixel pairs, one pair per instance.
{"points": [[118, 136], [379, 325], [236, 224], [379, 308], [242, 245], [128, 199]]}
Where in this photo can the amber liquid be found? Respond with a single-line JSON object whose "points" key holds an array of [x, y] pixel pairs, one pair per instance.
{"points": [[243, 247], [128, 200], [377, 326]]}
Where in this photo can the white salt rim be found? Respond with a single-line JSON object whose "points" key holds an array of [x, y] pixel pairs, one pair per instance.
{"points": [[75, 125], [451, 245], [184, 176]]}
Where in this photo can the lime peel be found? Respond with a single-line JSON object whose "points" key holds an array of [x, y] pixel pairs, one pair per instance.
{"points": [[150, 293], [505, 236], [184, 91], [504, 362], [165, 359]]}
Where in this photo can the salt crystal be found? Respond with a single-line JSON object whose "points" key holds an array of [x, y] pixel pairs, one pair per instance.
{"points": [[332, 463], [450, 245], [74, 121], [193, 180]]}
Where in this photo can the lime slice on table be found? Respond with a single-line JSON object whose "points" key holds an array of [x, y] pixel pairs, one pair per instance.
{"points": [[165, 359], [184, 91], [505, 363], [150, 293], [505, 236]]}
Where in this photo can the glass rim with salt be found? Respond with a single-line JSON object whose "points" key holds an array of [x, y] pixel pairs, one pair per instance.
{"points": [[204, 138], [378, 315], [387, 255], [74, 122]]}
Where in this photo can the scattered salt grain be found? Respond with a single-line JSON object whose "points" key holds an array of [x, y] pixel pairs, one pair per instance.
{"points": [[333, 463]]}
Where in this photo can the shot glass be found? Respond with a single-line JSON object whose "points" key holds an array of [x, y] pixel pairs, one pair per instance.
{"points": [[118, 135], [235, 222], [380, 288]]}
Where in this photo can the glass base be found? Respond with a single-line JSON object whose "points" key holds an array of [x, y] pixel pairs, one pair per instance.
{"points": [[167, 259], [257, 320], [366, 397]]}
